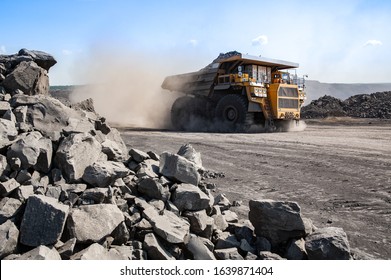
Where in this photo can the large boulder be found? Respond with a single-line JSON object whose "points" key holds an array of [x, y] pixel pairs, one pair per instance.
{"points": [[328, 243], [51, 117], [33, 150], [75, 154], [42, 59], [29, 78], [104, 173], [92, 223], [43, 221], [179, 168], [187, 151], [278, 221]]}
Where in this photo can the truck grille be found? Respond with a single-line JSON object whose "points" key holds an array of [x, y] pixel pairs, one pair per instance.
{"points": [[288, 92], [288, 103]]}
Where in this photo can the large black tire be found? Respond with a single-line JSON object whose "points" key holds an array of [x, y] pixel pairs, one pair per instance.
{"points": [[232, 114], [180, 116]]}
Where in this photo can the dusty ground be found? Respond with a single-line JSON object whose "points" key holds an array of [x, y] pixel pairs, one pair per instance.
{"points": [[338, 170]]}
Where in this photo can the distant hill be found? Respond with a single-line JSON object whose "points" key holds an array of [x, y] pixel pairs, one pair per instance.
{"points": [[315, 89]]}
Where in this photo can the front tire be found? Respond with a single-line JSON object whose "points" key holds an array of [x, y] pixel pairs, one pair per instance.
{"points": [[232, 114]]}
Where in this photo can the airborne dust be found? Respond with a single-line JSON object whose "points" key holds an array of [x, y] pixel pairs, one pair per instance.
{"points": [[126, 89]]}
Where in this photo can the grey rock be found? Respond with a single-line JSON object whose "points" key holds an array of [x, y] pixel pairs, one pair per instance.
{"points": [[9, 207], [8, 186], [92, 223], [41, 252], [296, 250], [138, 156], [23, 177], [113, 150], [43, 221], [219, 222], [228, 254], [222, 201], [66, 249], [104, 173], [278, 221], [266, 255], [262, 244], [149, 168], [153, 189], [226, 240], [24, 192], [125, 252], [75, 154], [4, 166], [96, 252], [328, 243], [96, 195], [198, 250], [190, 197], [187, 151], [246, 247], [21, 114], [29, 78], [9, 235], [33, 150], [155, 249], [200, 223], [53, 191], [167, 225], [42, 59], [153, 156], [4, 107], [8, 132], [179, 168], [51, 117], [120, 234], [230, 217]]}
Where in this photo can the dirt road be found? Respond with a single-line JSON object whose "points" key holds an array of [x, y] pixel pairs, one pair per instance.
{"points": [[339, 173]]}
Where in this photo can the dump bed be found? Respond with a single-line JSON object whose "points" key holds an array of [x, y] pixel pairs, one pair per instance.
{"points": [[202, 81]]}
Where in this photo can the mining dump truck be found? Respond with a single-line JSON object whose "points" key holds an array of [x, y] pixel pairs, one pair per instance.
{"points": [[235, 92]]}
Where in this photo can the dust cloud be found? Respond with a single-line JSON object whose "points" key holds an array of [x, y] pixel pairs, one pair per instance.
{"points": [[291, 126], [126, 88]]}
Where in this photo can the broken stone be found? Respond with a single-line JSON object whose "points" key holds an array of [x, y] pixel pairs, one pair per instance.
{"points": [[179, 168], [153, 156], [42, 59], [266, 255], [4, 166], [153, 189], [75, 154], [200, 223], [226, 240], [296, 250], [167, 225], [8, 132], [228, 254], [190, 197], [198, 250], [96, 252], [41, 253], [246, 247], [262, 244], [187, 151], [92, 223], [104, 173], [113, 150], [230, 217], [125, 252], [155, 248], [9, 207], [8, 186], [138, 156], [66, 249], [222, 201], [43, 221], [24, 192], [29, 78], [9, 235], [219, 221], [278, 221], [328, 243], [149, 168]]}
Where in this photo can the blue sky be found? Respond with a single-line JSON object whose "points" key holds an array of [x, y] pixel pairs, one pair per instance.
{"points": [[333, 41]]}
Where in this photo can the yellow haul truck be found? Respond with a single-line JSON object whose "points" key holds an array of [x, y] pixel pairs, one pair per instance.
{"points": [[235, 92]]}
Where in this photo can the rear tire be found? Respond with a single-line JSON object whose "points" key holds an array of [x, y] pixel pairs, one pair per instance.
{"points": [[231, 114]]}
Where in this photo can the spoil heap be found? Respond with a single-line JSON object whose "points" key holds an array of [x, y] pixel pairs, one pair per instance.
{"points": [[375, 105], [70, 189]]}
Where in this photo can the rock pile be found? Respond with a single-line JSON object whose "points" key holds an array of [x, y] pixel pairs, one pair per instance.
{"points": [[70, 189], [375, 105]]}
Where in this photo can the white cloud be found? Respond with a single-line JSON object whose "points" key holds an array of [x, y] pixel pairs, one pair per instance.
{"points": [[193, 42], [260, 40], [3, 50], [373, 43]]}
